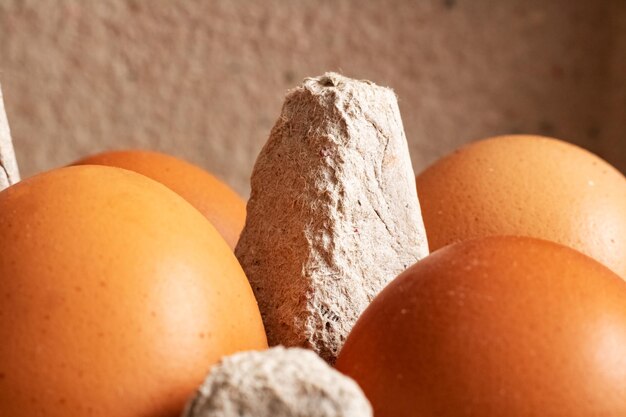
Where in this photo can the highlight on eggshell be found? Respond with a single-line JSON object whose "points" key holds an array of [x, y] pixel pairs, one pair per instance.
{"points": [[491, 327], [530, 186]]}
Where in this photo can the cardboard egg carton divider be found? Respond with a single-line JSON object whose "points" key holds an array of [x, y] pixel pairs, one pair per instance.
{"points": [[9, 172]]}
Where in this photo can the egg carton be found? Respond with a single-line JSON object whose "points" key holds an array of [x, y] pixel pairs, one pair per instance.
{"points": [[9, 172]]}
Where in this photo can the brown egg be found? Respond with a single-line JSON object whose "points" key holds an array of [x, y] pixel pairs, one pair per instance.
{"points": [[493, 327], [116, 296], [529, 186], [218, 202]]}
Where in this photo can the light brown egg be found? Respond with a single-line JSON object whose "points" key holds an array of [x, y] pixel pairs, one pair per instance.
{"points": [[492, 327], [116, 296], [529, 186], [216, 200]]}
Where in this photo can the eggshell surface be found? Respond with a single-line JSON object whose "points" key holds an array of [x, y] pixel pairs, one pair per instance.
{"points": [[492, 327], [528, 186], [218, 202], [116, 296]]}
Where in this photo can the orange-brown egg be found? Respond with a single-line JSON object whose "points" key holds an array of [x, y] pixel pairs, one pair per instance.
{"points": [[492, 327], [218, 202], [116, 296], [529, 186]]}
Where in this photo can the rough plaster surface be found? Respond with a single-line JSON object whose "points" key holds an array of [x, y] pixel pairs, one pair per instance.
{"points": [[277, 382], [333, 215], [205, 80]]}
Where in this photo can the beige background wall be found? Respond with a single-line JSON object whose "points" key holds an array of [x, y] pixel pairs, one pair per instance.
{"points": [[204, 80]]}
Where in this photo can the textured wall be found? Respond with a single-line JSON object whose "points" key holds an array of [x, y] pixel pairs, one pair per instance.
{"points": [[205, 79]]}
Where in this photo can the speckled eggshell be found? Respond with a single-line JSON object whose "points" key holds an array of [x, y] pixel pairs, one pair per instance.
{"points": [[493, 327], [217, 201], [529, 186], [116, 296]]}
